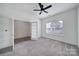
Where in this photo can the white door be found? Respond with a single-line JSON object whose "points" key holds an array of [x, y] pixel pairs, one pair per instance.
{"points": [[4, 33], [34, 31]]}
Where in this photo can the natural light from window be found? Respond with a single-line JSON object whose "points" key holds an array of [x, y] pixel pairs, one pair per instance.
{"points": [[54, 27]]}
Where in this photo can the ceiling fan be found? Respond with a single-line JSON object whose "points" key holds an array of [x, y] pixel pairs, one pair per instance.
{"points": [[42, 8]]}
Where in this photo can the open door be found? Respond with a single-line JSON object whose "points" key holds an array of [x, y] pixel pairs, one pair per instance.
{"points": [[5, 32]]}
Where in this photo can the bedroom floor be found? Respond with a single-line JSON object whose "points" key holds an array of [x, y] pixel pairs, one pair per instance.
{"points": [[42, 47]]}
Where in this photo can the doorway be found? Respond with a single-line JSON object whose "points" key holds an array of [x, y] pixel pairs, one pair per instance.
{"points": [[22, 31]]}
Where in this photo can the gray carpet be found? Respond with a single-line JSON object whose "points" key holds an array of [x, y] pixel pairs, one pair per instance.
{"points": [[42, 47]]}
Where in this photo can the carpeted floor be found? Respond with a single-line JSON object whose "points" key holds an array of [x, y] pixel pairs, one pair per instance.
{"points": [[42, 47]]}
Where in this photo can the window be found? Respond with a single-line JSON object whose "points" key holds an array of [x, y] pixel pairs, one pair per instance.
{"points": [[54, 27]]}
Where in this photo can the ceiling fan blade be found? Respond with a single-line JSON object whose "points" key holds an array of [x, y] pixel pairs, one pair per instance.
{"points": [[37, 10], [41, 6], [47, 7], [45, 11], [40, 12]]}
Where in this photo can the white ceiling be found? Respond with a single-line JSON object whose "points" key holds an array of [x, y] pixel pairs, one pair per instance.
{"points": [[26, 9]]}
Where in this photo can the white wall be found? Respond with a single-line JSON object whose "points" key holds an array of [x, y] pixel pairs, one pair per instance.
{"points": [[70, 26], [35, 29], [34, 34], [38, 28], [21, 29]]}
